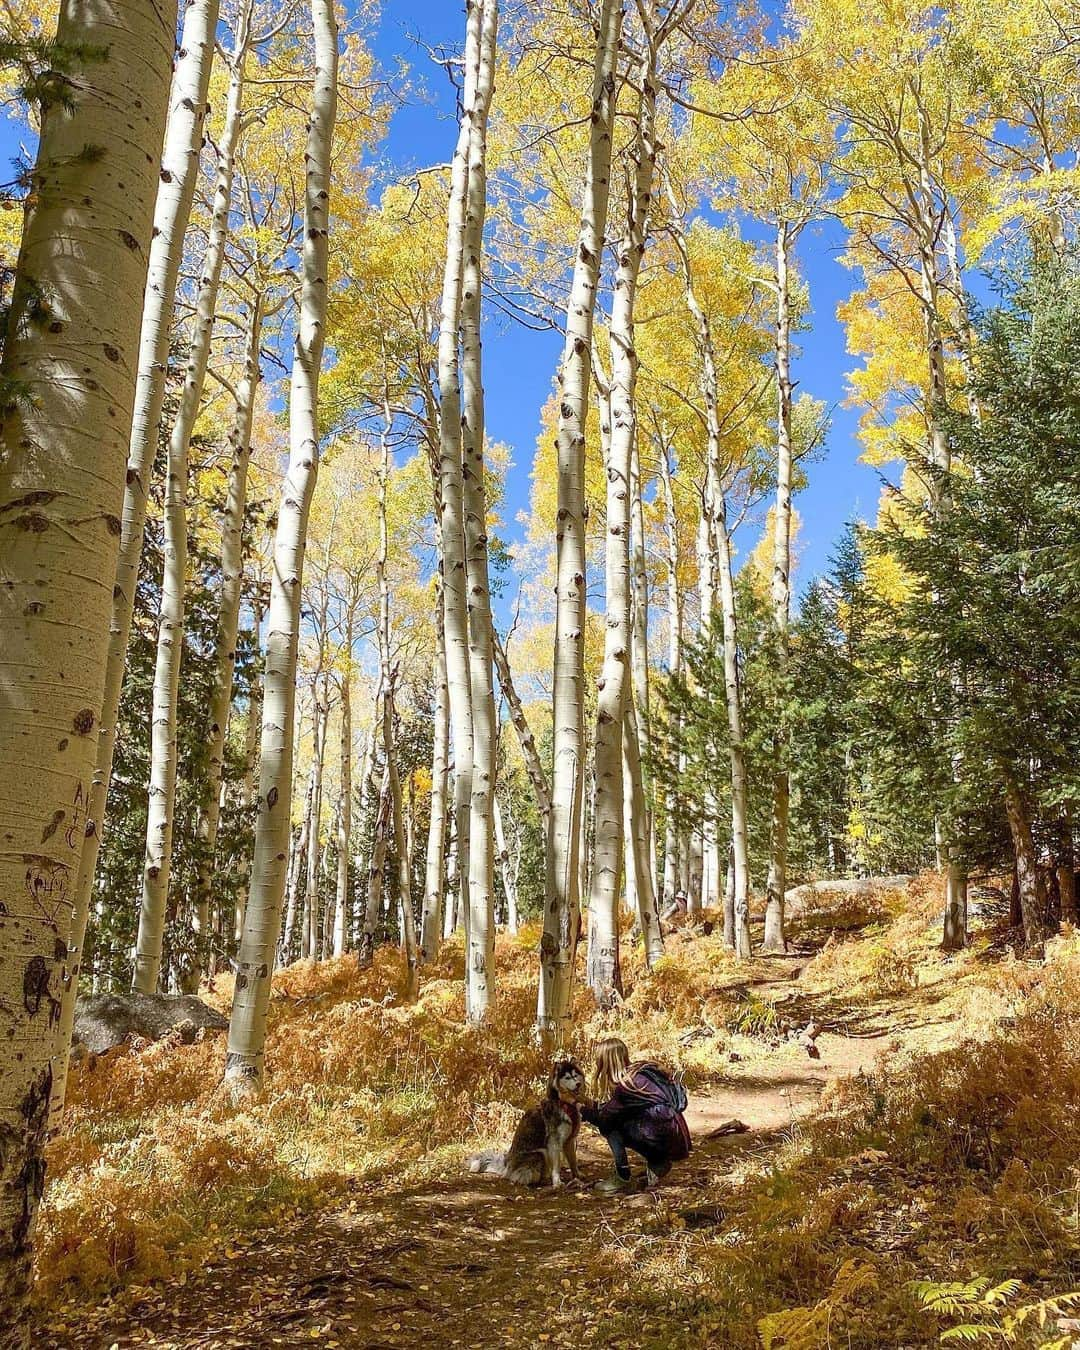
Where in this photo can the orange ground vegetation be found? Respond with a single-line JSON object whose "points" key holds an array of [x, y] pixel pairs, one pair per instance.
{"points": [[954, 1163]]}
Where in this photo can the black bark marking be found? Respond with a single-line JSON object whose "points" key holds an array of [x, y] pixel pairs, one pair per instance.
{"points": [[83, 722], [35, 984]]}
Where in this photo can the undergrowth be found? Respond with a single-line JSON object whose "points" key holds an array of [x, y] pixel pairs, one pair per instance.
{"points": [[945, 1170]]}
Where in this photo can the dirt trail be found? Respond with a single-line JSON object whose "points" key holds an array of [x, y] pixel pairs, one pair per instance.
{"points": [[471, 1261]]}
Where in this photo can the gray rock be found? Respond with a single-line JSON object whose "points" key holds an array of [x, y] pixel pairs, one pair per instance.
{"points": [[106, 1020], [801, 898]]}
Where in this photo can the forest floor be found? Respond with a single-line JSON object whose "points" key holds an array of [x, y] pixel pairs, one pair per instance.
{"points": [[819, 1206]]}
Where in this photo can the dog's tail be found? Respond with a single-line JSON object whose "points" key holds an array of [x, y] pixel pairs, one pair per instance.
{"points": [[492, 1161]]}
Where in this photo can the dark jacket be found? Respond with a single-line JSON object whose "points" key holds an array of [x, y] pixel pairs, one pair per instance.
{"points": [[647, 1113]]}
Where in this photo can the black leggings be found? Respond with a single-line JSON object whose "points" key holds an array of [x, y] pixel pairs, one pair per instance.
{"points": [[617, 1142]]}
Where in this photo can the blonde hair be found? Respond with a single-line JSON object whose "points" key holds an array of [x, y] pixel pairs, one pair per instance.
{"points": [[612, 1067]]}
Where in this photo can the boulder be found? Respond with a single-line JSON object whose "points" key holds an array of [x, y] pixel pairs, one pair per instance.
{"points": [[817, 893], [106, 1020]]}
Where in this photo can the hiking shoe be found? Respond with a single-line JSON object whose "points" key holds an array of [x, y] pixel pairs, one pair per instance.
{"points": [[614, 1185]]}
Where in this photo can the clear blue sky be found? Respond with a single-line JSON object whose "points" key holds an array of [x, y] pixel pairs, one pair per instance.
{"points": [[519, 363]]}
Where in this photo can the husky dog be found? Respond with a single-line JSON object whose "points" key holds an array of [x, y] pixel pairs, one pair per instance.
{"points": [[545, 1136]]}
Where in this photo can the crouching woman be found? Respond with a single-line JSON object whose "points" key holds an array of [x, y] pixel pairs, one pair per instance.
{"points": [[639, 1107]]}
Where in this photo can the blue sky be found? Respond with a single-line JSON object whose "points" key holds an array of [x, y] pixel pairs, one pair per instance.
{"points": [[519, 364]]}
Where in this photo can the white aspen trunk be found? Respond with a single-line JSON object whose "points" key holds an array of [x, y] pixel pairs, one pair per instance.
{"points": [[780, 594], [247, 1026], [529, 753], [178, 174], [309, 937], [228, 625], [367, 789], [247, 791], [342, 909], [715, 507], [451, 486], [603, 963], [190, 85], [674, 607], [63, 443], [639, 863], [509, 880], [640, 648], [562, 908], [450, 909], [480, 959], [408, 922], [209, 815], [326, 936], [431, 919], [297, 858], [375, 873]]}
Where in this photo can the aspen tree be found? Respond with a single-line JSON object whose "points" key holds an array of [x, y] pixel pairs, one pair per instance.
{"points": [[179, 166], [344, 814], [71, 343], [228, 625], [526, 740], [719, 546], [255, 963], [435, 858], [562, 901], [186, 118], [451, 486], [481, 925]]}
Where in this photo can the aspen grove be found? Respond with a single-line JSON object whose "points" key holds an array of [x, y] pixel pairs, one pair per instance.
{"points": [[522, 524]]}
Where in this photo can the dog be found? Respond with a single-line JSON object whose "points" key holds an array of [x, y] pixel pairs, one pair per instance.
{"points": [[546, 1136]]}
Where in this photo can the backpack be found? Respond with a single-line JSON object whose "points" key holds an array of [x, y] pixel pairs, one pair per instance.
{"points": [[672, 1088]]}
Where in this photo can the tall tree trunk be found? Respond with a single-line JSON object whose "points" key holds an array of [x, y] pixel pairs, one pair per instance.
{"points": [[715, 507], [1066, 867], [674, 606], [639, 617], [1032, 894], [451, 910], [451, 487], [191, 83], [780, 594], [228, 625], [639, 862], [344, 829], [435, 862], [310, 928], [62, 450], [479, 965], [376, 868], [247, 1026], [296, 862], [562, 899], [247, 791], [178, 173]]}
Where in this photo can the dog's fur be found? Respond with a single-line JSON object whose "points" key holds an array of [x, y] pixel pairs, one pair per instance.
{"points": [[546, 1136]]}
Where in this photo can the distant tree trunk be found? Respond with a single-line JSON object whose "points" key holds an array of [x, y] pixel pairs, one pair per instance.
{"points": [[247, 1026], [435, 863], [1032, 894], [376, 869], [309, 937], [508, 879], [451, 910], [639, 862], [562, 905], [639, 615], [344, 830], [82, 266], [479, 965], [715, 507], [297, 859], [776, 885], [190, 84], [671, 832], [529, 753], [1066, 868], [228, 625], [247, 789]]}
